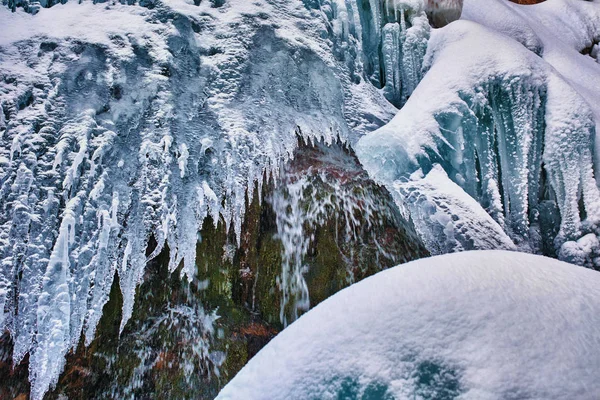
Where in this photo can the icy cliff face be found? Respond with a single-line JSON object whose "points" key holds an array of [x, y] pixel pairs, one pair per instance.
{"points": [[120, 123], [513, 130], [321, 226]]}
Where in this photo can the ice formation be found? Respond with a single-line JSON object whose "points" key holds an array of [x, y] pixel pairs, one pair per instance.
{"points": [[513, 130], [122, 122], [472, 325]]}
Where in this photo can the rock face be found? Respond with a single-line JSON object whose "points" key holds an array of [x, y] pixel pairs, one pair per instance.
{"points": [[442, 12], [321, 224]]}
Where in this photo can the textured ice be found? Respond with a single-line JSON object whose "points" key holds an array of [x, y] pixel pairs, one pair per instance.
{"points": [[119, 123], [446, 217], [515, 131], [472, 325]]}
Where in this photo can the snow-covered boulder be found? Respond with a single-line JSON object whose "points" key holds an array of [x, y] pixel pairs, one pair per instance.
{"points": [[472, 325]]}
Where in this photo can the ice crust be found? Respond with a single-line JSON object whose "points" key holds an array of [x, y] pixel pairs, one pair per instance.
{"points": [[471, 325], [447, 218], [121, 122], [513, 130]]}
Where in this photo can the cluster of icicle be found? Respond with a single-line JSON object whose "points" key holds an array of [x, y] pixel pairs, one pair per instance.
{"points": [[395, 38], [507, 131]]}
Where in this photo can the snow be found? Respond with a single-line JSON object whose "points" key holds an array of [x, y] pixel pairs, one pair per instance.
{"points": [[471, 325], [512, 129], [73, 20], [562, 28], [447, 218]]}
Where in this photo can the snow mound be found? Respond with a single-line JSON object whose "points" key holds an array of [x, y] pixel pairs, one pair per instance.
{"points": [[473, 325], [514, 130]]}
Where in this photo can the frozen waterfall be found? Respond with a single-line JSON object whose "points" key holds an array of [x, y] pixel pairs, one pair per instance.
{"points": [[125, 127], [121, 123]]}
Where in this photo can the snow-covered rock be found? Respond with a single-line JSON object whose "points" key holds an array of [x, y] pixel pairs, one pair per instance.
{"points": [[472, 325], [447, 218]]}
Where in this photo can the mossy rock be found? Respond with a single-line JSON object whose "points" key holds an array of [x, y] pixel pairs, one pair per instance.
{"points": [[187, 339]]}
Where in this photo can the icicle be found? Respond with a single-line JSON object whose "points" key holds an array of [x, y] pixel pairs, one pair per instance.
{"points": [[54, 310]]}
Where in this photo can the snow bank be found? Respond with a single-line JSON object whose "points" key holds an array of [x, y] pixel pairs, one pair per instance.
{"points": [[473, 325]]}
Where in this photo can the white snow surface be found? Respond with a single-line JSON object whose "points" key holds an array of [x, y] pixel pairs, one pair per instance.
{"points": [[447, 218], [474, 325], [511, 128]]}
